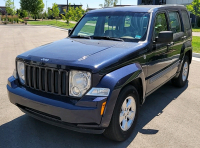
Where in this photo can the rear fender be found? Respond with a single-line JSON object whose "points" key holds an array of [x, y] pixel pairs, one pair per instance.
{"points": [[115, 81], [187, 47]]}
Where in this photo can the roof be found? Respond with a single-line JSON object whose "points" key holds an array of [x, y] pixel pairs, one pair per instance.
{"points": [[122, 5], [137, 8], [68, 5]]}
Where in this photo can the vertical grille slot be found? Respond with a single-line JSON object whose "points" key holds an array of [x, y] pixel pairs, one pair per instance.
{"points": [[43, 79], [47, 79], [63, 83], [31, 77], [37, 78], [56, 81]]}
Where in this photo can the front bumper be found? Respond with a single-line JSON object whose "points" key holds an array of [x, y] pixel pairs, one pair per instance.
{"points": [[83, 116]]}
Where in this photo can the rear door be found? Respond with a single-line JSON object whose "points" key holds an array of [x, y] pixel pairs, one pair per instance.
{"points": [[178, 36]]}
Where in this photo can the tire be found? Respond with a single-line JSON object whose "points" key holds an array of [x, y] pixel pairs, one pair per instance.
{"points": [[117, 130], [181, 80]]}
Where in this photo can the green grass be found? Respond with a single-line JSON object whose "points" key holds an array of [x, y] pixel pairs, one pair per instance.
{"points": [[88, 29], [196, 44], [53, 23], [195, 29]]}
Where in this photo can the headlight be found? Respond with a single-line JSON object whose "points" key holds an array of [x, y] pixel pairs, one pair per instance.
{"points": [[20, 70], [104, 92], [79, 82]]}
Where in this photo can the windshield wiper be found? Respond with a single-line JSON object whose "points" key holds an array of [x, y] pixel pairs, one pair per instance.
{"points": [[81, 36], [107, 38]]}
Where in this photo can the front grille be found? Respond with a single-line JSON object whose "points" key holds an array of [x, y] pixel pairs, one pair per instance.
{"points": [[47, 79]]}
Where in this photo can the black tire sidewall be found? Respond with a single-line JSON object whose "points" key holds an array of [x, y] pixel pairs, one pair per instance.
{"points": [[178, 82], [186, 59], [128, 91]]}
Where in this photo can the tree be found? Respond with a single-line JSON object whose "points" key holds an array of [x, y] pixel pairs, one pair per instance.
{"points": [[10, 8], [33, 6], [115, 2], [194, 8], [101, 5], [45, 15], [66, 16], [55, 11], [109, 3], [79, 12], [49, 12], [22, 13], [73, 14]]}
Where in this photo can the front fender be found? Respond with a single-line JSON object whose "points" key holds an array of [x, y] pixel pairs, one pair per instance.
{"points": [[116, 80]]}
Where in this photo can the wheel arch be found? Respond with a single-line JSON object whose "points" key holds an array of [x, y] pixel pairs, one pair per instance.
{"points": [[189, 54], [117, 80]]}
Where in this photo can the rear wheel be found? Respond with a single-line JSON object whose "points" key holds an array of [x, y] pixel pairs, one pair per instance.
{"points": [[124, 116], [183, 76]]}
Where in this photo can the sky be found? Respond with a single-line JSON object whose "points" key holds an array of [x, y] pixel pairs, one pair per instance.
{"points": [[91, 3]]}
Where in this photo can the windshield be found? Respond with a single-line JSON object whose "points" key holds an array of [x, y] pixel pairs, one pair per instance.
{"points": [[127, 26]]}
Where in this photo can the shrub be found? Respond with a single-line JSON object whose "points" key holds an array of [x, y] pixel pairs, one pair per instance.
{"points": [[10, 18], [16, 18], [26, 18], [21, 20]]}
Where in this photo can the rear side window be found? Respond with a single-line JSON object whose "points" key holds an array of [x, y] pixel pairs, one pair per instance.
{"points": [[186, 21], [174, 22]]}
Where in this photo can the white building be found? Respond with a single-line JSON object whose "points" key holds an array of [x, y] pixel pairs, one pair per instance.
{"points": [[180, 2]]}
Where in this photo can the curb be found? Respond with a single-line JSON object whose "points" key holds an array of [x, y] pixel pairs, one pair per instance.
{"points": [[196, 55], [50, 26], [37, 25], [56, 27]]}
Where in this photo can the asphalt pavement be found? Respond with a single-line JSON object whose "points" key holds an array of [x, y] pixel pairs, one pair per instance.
{"points": [[170, 117]]}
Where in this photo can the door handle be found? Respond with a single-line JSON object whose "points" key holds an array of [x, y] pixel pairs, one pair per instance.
{"points": [[170, 44]]}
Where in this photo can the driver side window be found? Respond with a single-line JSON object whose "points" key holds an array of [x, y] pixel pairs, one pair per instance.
{"points": [[160, 24]]}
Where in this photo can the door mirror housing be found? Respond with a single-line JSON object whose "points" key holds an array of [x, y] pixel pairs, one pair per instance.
{"points": [[164, 37]]}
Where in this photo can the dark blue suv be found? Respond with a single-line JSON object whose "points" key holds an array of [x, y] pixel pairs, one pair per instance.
{"points": [[95, 80]]}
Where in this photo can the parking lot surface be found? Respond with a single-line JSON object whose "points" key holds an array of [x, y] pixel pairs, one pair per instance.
{"points": [[170, 116]]}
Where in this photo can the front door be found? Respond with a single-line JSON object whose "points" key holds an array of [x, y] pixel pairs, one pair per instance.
{"points": [[160, 58]]}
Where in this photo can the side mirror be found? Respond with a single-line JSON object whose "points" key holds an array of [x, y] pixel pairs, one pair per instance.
{"points": [[69, 31], [164, 37]]}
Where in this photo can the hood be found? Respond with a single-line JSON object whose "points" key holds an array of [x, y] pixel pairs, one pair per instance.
{"points": [[85, 53]]}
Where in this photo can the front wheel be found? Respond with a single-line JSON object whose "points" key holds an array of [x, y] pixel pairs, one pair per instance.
{"points": [[124, 116], [183, 76]]}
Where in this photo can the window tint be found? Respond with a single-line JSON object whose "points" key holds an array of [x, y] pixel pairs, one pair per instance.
{"points": [[186, 21], [160, 24], [89, 26], [129, 26], [174, 22], [127, 22]]}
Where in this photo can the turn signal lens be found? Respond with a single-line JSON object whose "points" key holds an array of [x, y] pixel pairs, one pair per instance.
{"points": [[103, 107]]}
